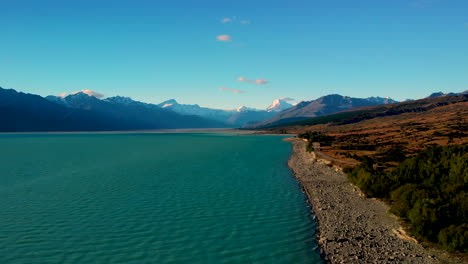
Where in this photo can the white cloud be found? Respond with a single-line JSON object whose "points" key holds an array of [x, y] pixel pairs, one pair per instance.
{"points": [[224, 38], [261, 81], [286, 98], [245, 22]]}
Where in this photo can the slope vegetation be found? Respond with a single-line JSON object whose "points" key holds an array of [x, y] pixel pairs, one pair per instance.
{"points": [[412, 155]]}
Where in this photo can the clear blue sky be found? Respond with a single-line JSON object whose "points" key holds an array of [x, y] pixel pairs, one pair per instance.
{"points": [[157, 50]]}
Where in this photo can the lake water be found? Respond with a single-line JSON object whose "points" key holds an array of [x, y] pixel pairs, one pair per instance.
{"points": [[151, 198]]}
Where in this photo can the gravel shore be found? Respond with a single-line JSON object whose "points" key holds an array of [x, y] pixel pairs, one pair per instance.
{"points": [[351, 228]]}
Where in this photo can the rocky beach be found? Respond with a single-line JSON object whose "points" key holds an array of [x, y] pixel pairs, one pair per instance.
{"points": [[351, 227]]}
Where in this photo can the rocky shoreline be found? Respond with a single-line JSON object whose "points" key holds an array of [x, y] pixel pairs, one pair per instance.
{"points": [[351, 228]]}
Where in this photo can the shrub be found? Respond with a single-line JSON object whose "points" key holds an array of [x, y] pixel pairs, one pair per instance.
{"points": [[429, 190]]}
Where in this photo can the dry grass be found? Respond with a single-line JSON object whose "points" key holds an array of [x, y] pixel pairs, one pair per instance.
{"points": [[412, 131]]}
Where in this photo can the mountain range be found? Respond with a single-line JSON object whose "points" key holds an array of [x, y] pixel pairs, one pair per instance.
{"points": [[324, 105], [236, 118], [20, 112], [83, 111]]}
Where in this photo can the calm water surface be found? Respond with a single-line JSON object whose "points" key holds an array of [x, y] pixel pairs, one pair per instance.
{"points": [[151, 198]]}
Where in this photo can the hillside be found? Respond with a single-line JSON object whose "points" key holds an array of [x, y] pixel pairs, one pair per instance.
{"points": [[412, 155], [322, 106], [412, 126]]}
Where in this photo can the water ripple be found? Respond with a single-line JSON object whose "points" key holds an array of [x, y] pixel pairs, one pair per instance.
{"points": [[151, 199]]}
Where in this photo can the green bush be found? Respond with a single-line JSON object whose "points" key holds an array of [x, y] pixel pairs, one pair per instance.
{"points": [[455, 237], [429, 190]]}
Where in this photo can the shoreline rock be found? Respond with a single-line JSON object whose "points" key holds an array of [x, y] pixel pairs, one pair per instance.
{"points": [[351, 228]]}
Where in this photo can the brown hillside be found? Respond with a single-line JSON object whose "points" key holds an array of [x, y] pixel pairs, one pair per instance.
{"points": [[409, 126]]}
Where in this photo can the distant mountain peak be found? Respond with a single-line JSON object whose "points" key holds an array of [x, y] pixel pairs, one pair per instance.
{"points": [[381, 100], [120, 100], [87, 92], [280, 104], [327, 104], [57, 99], [437, 94], [77, 95], [245, 109], [168, 103]]}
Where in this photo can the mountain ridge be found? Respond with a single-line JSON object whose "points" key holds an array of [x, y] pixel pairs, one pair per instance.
{"points": [[21, 112], [321, 106], [89, 110]]}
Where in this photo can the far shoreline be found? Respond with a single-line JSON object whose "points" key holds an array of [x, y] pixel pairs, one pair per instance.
{"points": [[149, 131], [235, 131]]}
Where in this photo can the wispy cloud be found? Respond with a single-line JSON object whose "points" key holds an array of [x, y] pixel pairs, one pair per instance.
{"points": [[287, 99], [242, 79], [258, 81], [230, 90], [234, 19], [224, 38], [226, 20]]}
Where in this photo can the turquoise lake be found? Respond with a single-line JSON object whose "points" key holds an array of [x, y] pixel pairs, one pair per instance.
{"points": [[151, 198]]}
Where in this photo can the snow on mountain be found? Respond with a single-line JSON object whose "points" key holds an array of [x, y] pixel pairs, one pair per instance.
{"points": [[279, 105], [186, 109], [245, 109], [380, 100], [328, 104], [233, 117], [120, 100], [168, 103], [87, 92], [238, 117]]}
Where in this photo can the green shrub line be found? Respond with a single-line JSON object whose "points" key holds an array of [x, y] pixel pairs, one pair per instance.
{"points": [[429, 191]]}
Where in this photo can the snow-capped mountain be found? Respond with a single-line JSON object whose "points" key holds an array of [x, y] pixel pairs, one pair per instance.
{"points": [[186, 109], [245, 109], [120, 100], [168, 103], [123, 113], [324, 105], [381, 100], [235, 117], [279, 105]]}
